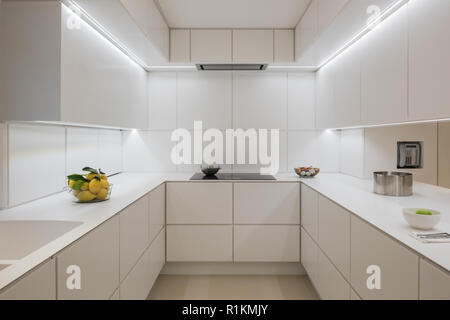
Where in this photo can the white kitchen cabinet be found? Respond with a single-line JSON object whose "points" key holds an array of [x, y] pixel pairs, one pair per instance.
{"points": [[180, 46], [157, 211], [211, 46], [283, 46], [95, 258], [139, 281], [309, 252], [305, 35], [253, 46], [354, 295], [374, 251], [266, 243], [116, 295], [266, 203], [199, 203], [334, 234], [327, 11], [434, 282], [134, 236], [429, 65], [38, 284], [325, 108], [309, 212], [57, 63], [199, 243], [384, 74], [330, 284]]}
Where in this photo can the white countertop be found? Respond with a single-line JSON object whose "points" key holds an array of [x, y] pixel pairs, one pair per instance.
{"points": [[353, 194]]}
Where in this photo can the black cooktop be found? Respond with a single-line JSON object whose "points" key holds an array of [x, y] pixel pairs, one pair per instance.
{"points": [[233, 176]]}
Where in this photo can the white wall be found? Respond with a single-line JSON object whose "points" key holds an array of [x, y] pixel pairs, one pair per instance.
{"points": [[364, 151], [40, 157], [271, 100]]}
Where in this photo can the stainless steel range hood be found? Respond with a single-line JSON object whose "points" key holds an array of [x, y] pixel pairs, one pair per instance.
{"points": [[233, 67]]}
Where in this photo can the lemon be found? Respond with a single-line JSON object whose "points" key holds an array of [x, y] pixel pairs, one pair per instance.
{"points": [[102, 194], [103, 177], [71, 183], [76, 192], [105, 184], [91, 176], [86, 196], [95, 186], [85, 186]]}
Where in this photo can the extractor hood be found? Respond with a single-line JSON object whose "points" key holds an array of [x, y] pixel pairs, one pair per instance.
{"points": [[228, 67]]}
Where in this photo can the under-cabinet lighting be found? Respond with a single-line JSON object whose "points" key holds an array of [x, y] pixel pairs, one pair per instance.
{"points": [[172, 68], [375, 23], [291, 68], [390, 124]]}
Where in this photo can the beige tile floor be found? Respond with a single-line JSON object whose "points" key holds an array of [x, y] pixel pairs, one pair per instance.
{"points": [[233, 287]]}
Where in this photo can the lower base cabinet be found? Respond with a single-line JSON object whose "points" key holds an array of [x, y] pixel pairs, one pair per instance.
{"points": [[39, 284], [140, 280], [93, 262], [434, 282]]}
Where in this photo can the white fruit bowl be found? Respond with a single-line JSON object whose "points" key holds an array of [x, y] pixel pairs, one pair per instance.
{"points": [[420, 221]]}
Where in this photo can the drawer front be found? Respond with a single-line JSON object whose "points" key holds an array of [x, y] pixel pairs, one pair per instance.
{"points": [[133, 234], [309, 212], [331, 285], [434, 282], [266, 243], [399, 266], [157, 211], [199, 243], [39, 284], [199, 203], [334, 234], [97, 256], [309, 254], [139, 281], [267, 203]]}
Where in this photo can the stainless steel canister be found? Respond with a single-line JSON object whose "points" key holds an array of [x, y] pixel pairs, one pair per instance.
{"points": [[398, 184]]}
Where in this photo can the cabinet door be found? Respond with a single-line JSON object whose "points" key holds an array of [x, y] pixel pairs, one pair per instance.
{"points": [[429, 65], [97, 256], [211, 46], [284, 46], [309, 254], [199, 203], [133, 234], [309, 213], [434, 282], [334, 234], [325, 109], [398, 266], [157, 211], [354, 295], [180, 46], [252, 46], [39, 284], [139, 281], [331, 285], [199, 243], [385, 71], [267, 203], [266, 244]]}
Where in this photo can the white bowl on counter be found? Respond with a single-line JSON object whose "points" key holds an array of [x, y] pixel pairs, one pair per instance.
{"points": [[422, 221]]}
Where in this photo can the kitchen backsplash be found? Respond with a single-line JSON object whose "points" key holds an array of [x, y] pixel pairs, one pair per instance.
{"points": [[232, 100], [364, 151], [38, 157]]}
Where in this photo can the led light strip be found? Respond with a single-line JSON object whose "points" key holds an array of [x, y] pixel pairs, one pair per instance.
{"points": [[383, 16], [390, 124]]}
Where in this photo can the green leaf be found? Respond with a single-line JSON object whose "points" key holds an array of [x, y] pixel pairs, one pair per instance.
{"points": [[78, 184], [101, 172], [77, 177], [89, 169]]}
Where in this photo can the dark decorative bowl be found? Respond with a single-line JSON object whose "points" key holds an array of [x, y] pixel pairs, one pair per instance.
{"points": [[210, 170]]}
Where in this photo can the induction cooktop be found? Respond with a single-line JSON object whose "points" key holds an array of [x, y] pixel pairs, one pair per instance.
{"points": [[233, 176]]}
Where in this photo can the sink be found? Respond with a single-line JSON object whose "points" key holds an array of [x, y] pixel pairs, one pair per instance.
{"points": [[3, 266], [20, 238]]}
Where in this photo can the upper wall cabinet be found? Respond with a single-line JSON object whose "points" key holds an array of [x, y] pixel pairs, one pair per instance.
{"points": [[211, 46], [231, 46], [429, 63], [253, 46], [67, 70]]}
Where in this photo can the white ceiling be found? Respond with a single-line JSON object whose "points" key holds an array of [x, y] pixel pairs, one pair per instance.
{"points": [[233, 13]]}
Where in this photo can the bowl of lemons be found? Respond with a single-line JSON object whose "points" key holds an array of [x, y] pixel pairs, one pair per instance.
{"points": [[90, 187]]}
